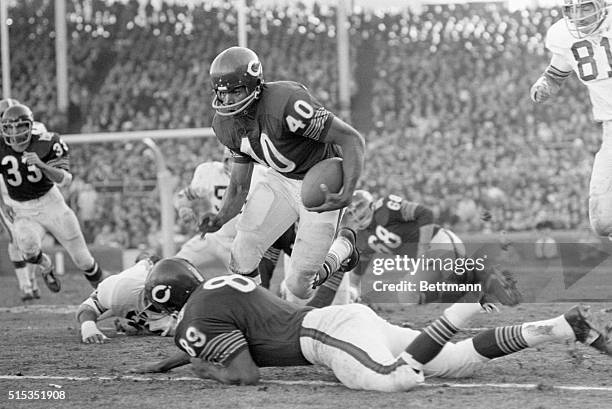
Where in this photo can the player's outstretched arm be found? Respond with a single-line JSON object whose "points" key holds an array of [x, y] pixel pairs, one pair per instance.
{"points": [[352, 144], [241, 370], [233, 200], [87, 317], [551, 80], [176, 360]]}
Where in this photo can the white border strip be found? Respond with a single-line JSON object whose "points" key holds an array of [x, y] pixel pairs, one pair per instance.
{"points": [[310, 383]]}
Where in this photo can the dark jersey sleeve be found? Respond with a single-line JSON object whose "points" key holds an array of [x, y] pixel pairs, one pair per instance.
{"points": [[209, 339], [58, 154], [305, 116], [412, 211]]}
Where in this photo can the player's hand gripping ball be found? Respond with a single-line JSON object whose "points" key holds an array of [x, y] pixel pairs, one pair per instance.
{"points": [[328, 172]]}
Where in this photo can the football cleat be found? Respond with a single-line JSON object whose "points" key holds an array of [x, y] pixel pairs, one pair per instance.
{"points": [[498, 285], [27, 295], [48, 274], [348, 264], [351, 262], [578, 317]]}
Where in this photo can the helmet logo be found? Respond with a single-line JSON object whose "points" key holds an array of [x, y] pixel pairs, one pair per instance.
{"points": [[161, 293], [254, 68]]}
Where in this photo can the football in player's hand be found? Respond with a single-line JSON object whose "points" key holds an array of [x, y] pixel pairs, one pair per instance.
{"points": [[327, 172]]}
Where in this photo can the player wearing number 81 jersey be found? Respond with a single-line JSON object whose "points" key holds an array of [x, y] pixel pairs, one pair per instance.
{"points": [[582, 42], [32, 162]]}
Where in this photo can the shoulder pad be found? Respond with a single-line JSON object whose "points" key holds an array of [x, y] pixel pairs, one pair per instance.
{"points": [[558, 37], [379, 203], [38, 128], [46, 136]]}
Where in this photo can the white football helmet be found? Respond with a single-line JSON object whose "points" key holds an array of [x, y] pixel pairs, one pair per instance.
{"points": [[361, 210], [584, 17]]}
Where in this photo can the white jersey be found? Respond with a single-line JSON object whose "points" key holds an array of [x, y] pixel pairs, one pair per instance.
{"points": [[210, 180], [591, 60], [122, 295]]}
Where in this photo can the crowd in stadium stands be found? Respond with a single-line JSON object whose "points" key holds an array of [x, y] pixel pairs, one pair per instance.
{"points": [[441, 96]]}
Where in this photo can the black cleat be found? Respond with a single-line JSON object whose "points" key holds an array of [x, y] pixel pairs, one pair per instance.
{"points": [[578, 317]]}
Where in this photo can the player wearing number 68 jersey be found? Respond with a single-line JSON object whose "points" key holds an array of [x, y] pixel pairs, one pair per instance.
{"points": [[582, 42], [281, 126], [33, 163], [395, 226]]}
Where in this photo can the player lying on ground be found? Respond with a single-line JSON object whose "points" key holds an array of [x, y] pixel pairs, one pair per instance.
{"points": [[224, 330], [124, 296], [34, 163]]}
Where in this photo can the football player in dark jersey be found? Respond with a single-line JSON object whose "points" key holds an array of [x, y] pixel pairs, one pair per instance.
{"points": [[26, 274], [392, 225], [282, 126], [226, 332], [33, 163]]}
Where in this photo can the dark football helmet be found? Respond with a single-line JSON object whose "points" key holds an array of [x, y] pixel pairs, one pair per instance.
{"points": [[170, 283], [16, 125], [6, 103], [233, 68]]}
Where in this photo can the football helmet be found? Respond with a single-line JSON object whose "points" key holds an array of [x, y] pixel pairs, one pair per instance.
{"points": [[6, 103], [16, 125], [361, 209], [170, 283], [233, 68], [584, 17]]}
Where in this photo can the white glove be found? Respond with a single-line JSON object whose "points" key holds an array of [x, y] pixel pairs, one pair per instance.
{"points": [[90, 334], [542, 90]]}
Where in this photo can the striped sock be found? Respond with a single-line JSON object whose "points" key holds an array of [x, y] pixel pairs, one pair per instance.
{"points": [[431, 340], [500, 341], [94, 273], [325, 294]]}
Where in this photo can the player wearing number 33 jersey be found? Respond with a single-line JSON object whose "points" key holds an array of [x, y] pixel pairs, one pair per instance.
{"points": [[32, 163], [281, 126], [582, 42]]}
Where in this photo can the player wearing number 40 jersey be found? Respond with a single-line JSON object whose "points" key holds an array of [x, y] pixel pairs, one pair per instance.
{"points": [[225, 330], [582, 42], [32, 162], [282, 126]]}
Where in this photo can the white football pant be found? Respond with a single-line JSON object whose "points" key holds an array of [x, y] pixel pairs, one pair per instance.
{"points": [[366, 352], [51, 213], [272, 207], [211, 254]]}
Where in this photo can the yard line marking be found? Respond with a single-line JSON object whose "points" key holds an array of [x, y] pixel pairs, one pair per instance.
{"points": [[57, 309], [311, 383]]}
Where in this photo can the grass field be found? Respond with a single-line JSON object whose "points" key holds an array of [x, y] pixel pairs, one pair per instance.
{"points": [[41, 351]]}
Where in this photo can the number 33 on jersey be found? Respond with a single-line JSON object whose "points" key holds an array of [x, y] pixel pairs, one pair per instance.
{"points": [[27, 182]]}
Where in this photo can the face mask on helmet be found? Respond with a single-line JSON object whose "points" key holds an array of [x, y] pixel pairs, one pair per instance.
{"points": [[361, 209], [236, 77], [16, 126], [170, 283], [584, 17]]}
